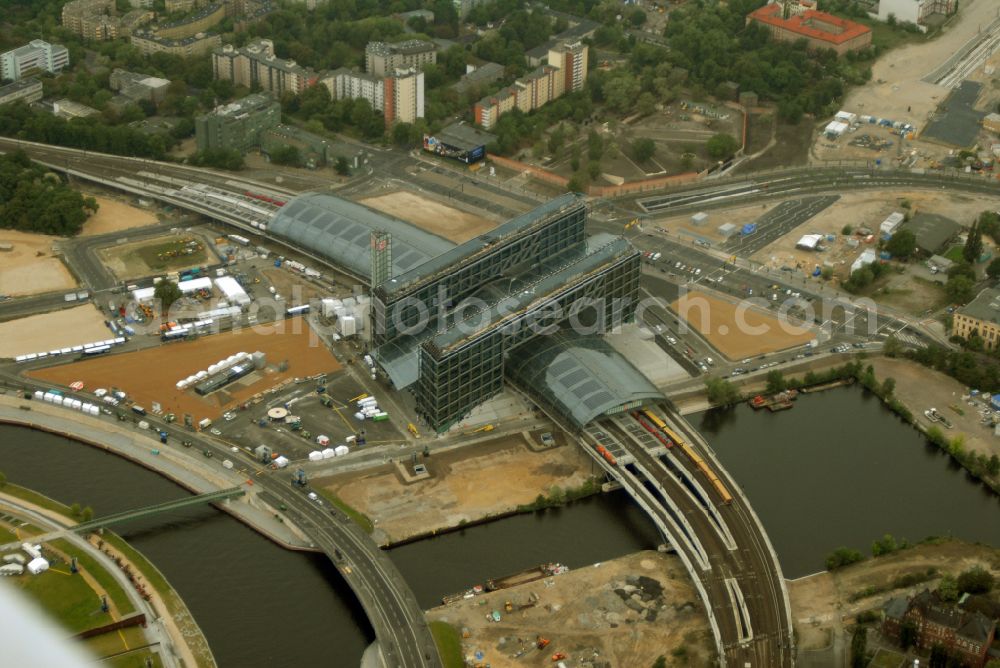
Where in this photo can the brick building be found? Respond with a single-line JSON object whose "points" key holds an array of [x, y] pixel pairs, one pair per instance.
{"points": [[819, 29], [965, 635]]}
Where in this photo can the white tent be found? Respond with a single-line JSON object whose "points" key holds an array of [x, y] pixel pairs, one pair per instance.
{"points": [[835, 129], [809, 241], [37, 565]]}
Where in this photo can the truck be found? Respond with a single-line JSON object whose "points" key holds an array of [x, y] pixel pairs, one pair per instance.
{"points": [[138, 410], [205, 424]]}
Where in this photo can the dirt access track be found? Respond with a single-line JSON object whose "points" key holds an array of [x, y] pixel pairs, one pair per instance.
{"points": [[151, 375], [49, 331], [739, 330], [465, 484], [444, 221], [624, 612]]}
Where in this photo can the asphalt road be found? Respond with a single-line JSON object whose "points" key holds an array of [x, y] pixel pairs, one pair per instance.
{"points": [[777, 222], [400, 626]]}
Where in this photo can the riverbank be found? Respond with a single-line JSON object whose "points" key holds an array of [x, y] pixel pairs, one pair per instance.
{"points": [[139, 446], [824, 604], [120, 577], [623, 612], [463, 486]]}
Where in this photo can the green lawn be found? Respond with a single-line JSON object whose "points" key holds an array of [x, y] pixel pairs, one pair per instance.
{"points": [[954, 254], [150, 255], [449, 644], [34, 497], [357, 516], [886, 659], [89, 564], [116, 641], [134, 660], [152, 574], [66, 598]]}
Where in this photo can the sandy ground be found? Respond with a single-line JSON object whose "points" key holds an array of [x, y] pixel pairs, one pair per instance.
{"points": [[737, 330], [48, 331], [896, 84], [920, 388], [585, 618], [465, 484], [445, 221], [864, 209], [29, 267], [125, 262], [114, 215], [294, 287], [682, 225], [151, 375], [820, 602]]}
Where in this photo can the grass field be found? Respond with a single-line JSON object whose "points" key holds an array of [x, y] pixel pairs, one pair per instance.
{"points": [[954, 254], [449, 644], [174, 253], [119, 641], [67, 598], [88, 563], [134, 660], [886, 659]]}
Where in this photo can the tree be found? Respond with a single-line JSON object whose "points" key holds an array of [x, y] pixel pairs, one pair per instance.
{"points": [[847, 230], [643, 149], [74, 509], [973, 248], [993, 468], [775, 381], [885, 545], [721, 392], [859, 648], [661, 662], [595, 145], [908, 634], [286, 155], [993, 268], [842, 556], [976, 580], [888, 386], [959, 289], [167, 293], [948, 588], [721, 146], [892, 347], [646, 104], [902, 245], [342, 166], [86, 514]]}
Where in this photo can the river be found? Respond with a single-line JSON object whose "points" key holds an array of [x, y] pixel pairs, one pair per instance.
{"points": [[260, 605], [839, 469]]}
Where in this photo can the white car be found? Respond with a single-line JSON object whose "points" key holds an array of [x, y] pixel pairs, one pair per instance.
{"points": [[672, 340], [100, 392]]}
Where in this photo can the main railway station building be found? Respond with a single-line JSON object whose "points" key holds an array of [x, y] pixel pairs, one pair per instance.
{"points": [[526, 303]]}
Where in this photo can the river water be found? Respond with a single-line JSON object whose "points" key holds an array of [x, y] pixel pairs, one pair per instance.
{"points": [[838, 469], [260, 605]]}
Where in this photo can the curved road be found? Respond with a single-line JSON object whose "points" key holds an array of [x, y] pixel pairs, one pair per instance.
{"points": [[403, 635]]}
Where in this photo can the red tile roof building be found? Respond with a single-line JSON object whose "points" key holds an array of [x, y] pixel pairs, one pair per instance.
{"points": [[819, 29]]}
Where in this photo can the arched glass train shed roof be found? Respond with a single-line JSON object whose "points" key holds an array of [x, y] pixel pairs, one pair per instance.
{"points": [[580, 376], [340, 230]]}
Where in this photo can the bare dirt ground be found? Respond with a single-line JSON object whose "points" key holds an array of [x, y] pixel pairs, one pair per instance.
{"points": [[864, 209], [292, 286], [820, 602], [920, 388], [114, 215], [29, 267], [584, 615], [682, 225], [896, 85], [467, 484], [49, 331], [737, 330], [150, 375], [129, 261], [437, 218]]}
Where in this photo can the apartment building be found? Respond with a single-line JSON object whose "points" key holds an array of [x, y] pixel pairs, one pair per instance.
{"points": [[819, 29], [149, 42], [981, 316], [34, 56], [256, 65], [29, 90], [239, 125], [399, 96], [382, 58], [565, 72]]}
